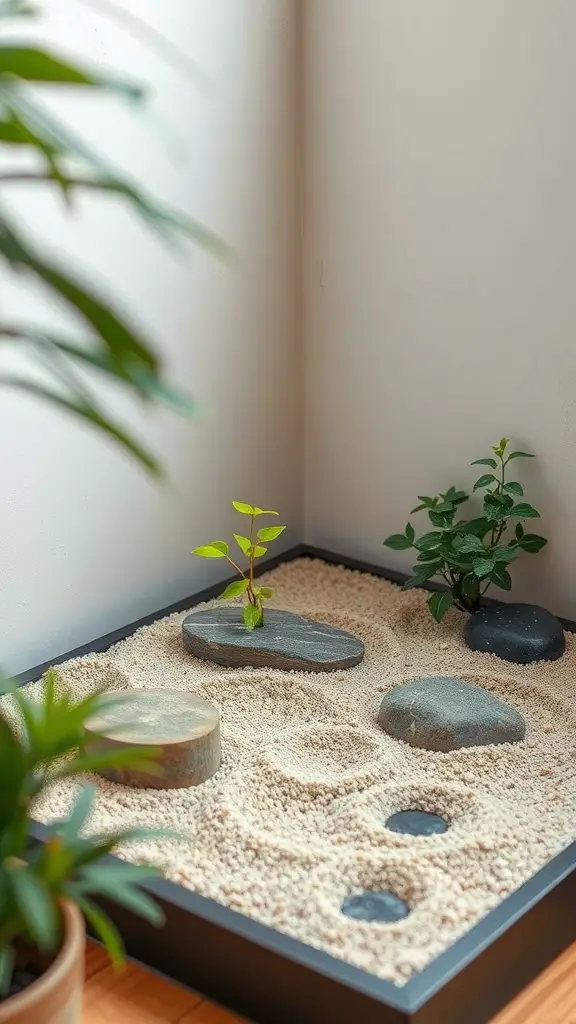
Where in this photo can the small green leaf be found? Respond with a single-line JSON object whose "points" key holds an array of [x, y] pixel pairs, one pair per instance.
{"points": [[37, 907], [429, 540], [443, 519], [525, 511], [484, 567], [519, 531], [532, 543], [7, 956], [252, 616], [426, 502], [469, 543], [422, 573], [479, 527], [484, 481], [217, 549], [485, 462], [104, 928], [241, 506], [236, 588], [264, 511], [409, 531], [440, 603], [270, 532], [513, 488], [243, 543], [520, 455], [264, 592], [501, 577], [504, 555], [33, 65], [398, 542]]}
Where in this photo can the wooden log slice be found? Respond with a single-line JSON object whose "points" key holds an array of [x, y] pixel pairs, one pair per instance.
{"points": [[184, 726], [285, 641]]}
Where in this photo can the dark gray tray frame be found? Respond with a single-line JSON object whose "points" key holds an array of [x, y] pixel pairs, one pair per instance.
{"points": [[273, 979]]}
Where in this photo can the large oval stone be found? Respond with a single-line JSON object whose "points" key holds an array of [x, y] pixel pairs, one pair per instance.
{"points": [[285, 641], [442, 713], [521, 633]]}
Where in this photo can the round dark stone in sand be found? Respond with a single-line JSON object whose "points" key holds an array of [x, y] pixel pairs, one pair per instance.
{"points": [[285, 641], [521, 633], [375, 905], [417, 823]]}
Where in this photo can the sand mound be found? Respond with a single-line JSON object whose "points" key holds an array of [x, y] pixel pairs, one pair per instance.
{"points": [[294, 821]]}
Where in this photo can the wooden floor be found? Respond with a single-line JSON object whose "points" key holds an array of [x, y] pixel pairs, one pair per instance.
{"points": [[138, 997]]}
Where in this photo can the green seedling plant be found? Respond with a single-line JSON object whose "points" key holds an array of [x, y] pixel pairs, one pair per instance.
{"points": [[471, 555], [41, 741], [252, 547]]}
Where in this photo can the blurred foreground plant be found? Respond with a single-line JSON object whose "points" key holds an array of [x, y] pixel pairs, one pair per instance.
{"points": [[111, 345], [42, 741]]}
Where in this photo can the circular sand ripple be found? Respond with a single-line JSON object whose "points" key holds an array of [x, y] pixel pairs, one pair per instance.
{"points": [[332, 757], [255, 707]]}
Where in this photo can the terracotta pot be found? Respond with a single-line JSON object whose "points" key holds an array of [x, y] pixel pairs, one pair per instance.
{"points": [[56, 998]]}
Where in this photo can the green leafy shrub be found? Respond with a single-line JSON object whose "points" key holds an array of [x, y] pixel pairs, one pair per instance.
{"points": [[42, 741], [470, 555], [252, 548]]}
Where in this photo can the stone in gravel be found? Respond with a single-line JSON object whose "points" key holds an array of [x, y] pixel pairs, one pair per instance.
{"points": [[442, 713], [521, 633], [417, 823], [375, 905], [285, 641]]}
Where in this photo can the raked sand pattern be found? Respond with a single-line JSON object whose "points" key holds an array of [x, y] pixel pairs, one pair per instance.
{"points": [[294, 820]]}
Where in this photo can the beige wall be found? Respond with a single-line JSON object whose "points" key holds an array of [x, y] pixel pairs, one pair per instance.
{"points": [[440, 244], [88, 543]]}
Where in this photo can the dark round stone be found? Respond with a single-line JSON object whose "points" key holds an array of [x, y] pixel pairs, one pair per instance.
{"points": [[375, 905], [417, 823], [521, 633]]}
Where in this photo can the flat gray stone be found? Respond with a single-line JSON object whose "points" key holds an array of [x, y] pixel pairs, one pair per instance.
{"points": [[442, 713], [285, 641], [521, 633], [417, 823], [375, 905]]}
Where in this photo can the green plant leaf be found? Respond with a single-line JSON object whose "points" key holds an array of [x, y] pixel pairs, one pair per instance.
{"points": [[258, 550], [504, 555], [429, 540], [16, 9], [139, 758], [440, 603], [484, 481], [264, 592], [409, 531], [264, 511], [89, 414], [513, 488], [479, 527], [111, 881], [243, 543], [532, 543], [422, 573], [484, 567], [236, 588], [525, 511], [241, 506], [37, 907], [501, 577], [519, 531], [33, 65], [519, 455], [443, 519], [217, 549], [252, 616], [398, 542], [104, 928], [485, 462], [426, 502], [468, 544], [7, 953], [78, 815], [270, 532]]}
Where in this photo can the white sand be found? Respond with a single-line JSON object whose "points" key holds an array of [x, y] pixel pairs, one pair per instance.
{"points": [[294, 820]]}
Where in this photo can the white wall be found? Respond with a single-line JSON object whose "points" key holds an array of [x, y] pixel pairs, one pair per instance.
{"points": [[441, 233], [88, 543]]}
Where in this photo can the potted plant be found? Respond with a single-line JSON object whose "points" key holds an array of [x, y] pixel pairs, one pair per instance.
{"points": [[279, 640], [46, 891]]}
